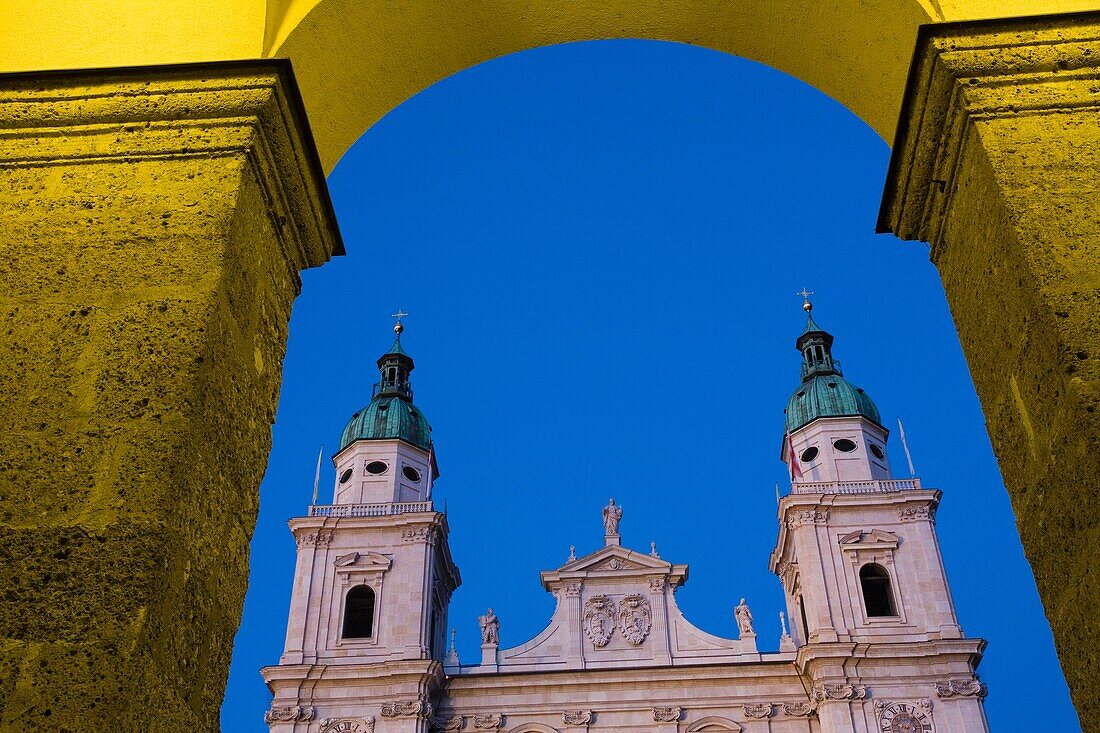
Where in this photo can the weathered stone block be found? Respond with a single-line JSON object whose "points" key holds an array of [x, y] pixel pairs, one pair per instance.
{"points": [[152, 226]]}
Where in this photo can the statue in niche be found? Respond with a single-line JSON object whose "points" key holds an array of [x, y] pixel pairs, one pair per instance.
{"points": [[744, 618], [611, 516], [490, 628]]}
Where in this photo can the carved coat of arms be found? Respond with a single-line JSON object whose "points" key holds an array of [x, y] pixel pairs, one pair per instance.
{"points": [[635, 618], [599, 619]]}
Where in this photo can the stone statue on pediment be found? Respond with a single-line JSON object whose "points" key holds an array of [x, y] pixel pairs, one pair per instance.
{"points": [[744, 618], [611, 516], [490, 628]]}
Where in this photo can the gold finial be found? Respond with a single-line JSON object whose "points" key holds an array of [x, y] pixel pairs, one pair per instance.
{"points": [[806, 305], [398, 327]]}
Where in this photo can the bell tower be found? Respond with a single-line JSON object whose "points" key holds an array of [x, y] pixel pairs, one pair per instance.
{"points": [[374, 574], [860, 564]]}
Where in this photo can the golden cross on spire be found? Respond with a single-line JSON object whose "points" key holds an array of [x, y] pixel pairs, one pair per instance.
{"points": [[806, 305], [398, 327]]}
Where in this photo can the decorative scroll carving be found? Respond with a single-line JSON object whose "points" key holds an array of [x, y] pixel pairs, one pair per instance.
{"points": [[448, 724], [347, 725], [489, 722], [288, 714], [799, 709], [759, 710], [599, 619], [399, 708], [797, 518], [418, 534], [961, 688], [923, 511], [635, 618], [576, 717], [667, 715], [315, 539], [838, 692]]}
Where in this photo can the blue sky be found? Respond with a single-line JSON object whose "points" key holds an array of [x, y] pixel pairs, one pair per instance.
{"points": [[599, 245]]}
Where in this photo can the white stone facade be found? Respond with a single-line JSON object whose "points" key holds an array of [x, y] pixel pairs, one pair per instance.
{"points": [[874, 647]]}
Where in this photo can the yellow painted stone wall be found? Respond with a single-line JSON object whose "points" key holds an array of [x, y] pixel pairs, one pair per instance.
{"points": [[152, 232]]}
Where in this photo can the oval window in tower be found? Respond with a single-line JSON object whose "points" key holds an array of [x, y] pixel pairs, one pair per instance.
{"points": [[345, 476], [877, 452], [376, 467], [411, 473], [809, 454], [844, 445]]}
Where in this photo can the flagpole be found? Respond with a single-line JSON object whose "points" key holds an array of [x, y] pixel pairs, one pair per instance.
{"points": [[905, 444], [317, 475]]}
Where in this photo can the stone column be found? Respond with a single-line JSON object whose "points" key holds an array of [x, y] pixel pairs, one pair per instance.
{"points": [[996, 165], [153, 222]]}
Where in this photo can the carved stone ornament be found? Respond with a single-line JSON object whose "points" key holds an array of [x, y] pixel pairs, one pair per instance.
{"points": [[599, 619], [347, 725], [924, 511], [807, 516], [572, 590], [657, 584], [667, 715], [488, 722], [759, 710], [288, 714], [399, 708], [799, 709], [838, 692], [448, 724], [961, 688], [635, 618], [576, 717], [315, 539], [417, 534]]}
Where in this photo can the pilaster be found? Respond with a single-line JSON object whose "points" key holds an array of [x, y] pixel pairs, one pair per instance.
{"points": [[995, 166], [153, 222]]}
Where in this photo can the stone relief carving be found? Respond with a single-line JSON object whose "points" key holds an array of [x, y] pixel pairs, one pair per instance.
{"points": [[611, 516], [417, 534], [635, 618], [667, 715], [759, 710], [572, 590], [838, 692], [744, 619], [657, 584], [924, 511], [316, 539], [961, 688], [399, 708], [599, 619], [347, 725], [617, 564], [798, 709], [488, 722], [807, 516], [448, 724], [288, 713], [576, 717], [490, 627]]}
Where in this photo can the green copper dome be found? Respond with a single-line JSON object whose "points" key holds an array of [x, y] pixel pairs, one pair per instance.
{"points": [[391, 414], [824, 391]]}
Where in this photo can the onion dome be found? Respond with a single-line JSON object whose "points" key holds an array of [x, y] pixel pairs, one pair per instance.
{"points": [[391, 413], [824, 391]]}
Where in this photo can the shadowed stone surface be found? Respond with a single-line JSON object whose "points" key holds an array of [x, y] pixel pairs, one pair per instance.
{"points": [[152, 226], [996, 167]]}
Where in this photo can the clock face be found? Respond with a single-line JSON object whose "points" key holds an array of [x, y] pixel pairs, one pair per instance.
{"points": [[902, 717]]}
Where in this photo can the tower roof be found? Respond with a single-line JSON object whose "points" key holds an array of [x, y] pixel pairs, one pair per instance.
{"points": [[391, 413], [824, 392]]}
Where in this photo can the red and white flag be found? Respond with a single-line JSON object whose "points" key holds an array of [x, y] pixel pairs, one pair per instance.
{"points": [[796, 470]]}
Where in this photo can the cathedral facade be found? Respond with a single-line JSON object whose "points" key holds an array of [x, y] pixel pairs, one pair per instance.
{"points": [[873, 645]]}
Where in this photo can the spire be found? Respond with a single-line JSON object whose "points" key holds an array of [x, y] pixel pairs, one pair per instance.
{"points": [[395, 366], [816, 344]]}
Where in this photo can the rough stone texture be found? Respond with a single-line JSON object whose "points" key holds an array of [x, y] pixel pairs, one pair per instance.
{"points": [[152, 226], [996, 167]]}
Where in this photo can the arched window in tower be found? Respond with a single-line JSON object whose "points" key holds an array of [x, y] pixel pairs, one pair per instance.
{"points": [[359, 613], [878, 598]]}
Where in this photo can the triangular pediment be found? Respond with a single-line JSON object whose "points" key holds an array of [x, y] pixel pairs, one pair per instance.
{"points": [[614, 558], [869, 539], [362, 561]]}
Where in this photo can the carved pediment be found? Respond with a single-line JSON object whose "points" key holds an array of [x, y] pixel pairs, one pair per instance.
{"points": [[362, 561], [875, 539], [615, 560]]}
